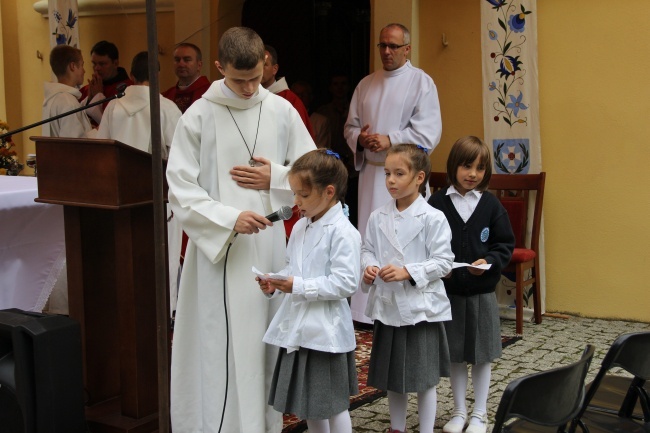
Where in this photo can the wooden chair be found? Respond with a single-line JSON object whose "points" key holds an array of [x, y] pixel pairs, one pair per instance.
{"points": [[513, 190], [546, 401], [611, 400]]}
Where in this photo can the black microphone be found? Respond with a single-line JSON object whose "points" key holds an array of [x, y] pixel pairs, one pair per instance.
{"points": [[119, 94], [284, 213], [119, 90]]}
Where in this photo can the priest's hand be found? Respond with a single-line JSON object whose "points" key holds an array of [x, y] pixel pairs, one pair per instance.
{"points": [[249, 222], [381, 142], [258, 177], [365, 139]]}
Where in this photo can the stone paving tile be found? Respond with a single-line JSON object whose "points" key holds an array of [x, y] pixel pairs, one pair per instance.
{"points": [[553, 343]]}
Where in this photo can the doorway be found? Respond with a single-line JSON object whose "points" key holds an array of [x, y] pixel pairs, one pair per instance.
{"points": [[315, 39]]}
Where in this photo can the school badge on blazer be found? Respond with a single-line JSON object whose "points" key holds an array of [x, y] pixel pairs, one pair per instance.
{"points": [[485, 234]]}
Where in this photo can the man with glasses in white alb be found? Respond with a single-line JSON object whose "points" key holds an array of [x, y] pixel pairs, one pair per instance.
{"points": [[394, 105]]}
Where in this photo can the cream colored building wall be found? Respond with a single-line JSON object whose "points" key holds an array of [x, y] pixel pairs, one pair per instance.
{"points": [[23, 36], [455, 68], [595, 106]]}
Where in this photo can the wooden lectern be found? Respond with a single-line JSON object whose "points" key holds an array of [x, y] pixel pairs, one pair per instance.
{"points": [[106, 190]]}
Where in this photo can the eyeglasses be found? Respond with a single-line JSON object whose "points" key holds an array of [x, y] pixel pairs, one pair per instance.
{"points": [[392, 47]]}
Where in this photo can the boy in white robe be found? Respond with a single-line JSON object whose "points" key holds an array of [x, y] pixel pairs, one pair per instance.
{"points": [[67, 64], [227, 169], [128, 119]]}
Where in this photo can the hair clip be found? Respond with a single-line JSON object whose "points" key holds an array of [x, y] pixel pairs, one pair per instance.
{"points": [[334, 154], [422, 148]]}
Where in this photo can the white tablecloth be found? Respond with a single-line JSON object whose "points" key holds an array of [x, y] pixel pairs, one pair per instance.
{"points": [[32, 245]]}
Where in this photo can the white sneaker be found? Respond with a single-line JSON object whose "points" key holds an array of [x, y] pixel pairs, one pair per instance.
{"points": [[455, 427], [481, 427]]}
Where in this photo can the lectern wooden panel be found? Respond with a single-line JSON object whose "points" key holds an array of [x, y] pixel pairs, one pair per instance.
{"points": [[106, 189]]}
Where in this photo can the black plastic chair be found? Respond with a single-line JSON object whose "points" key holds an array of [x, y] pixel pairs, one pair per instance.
{"points": [[611, 400], [546, 401]]}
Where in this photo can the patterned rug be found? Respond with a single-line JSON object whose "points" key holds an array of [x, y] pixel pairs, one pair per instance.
{"points": [[366, 394]]}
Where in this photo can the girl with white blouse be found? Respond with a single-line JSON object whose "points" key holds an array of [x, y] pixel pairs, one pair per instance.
{"points": [[315, 373], [406, 252]]}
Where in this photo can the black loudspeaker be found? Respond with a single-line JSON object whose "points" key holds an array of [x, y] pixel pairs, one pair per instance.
{"points": [[41, 382]]}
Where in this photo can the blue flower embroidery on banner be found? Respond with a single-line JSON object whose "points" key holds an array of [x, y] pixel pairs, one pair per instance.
{"points": [[496, 4], [507, 31], [517, 22], [516, 104], [63, 33], [72, 19], [509, 66], [485, 234], [511, 155]]}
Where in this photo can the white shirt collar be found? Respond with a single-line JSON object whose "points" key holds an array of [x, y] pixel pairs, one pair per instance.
{"points": [[453, 190]]}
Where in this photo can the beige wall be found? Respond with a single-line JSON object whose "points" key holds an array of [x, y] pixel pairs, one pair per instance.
{"points": [[456, 68], [595, 106], [594, 102]]}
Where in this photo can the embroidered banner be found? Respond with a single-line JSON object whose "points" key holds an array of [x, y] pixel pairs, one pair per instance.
{"points": [[64, 22], [511, 106]]}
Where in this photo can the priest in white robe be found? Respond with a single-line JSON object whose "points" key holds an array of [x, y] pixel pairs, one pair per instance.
{"points": [[215, 139], [397, 104]]}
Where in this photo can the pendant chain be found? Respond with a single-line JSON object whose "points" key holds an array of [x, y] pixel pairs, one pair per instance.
{"points": [[251, 162]]}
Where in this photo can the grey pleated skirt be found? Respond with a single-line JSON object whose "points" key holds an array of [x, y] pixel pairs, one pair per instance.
{"points": [[408, 358], [312, 384], [474, 332]]}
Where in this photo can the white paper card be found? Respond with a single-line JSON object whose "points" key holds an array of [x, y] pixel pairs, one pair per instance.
{"points": [[484, 266], [263, 276]]}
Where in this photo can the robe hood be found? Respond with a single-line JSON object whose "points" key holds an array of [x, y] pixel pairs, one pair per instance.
{"points": [[53, 89], [215, 94], [137, 99]]}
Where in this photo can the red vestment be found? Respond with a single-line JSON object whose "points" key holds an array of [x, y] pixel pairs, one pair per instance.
{"points": [[183, 98]]}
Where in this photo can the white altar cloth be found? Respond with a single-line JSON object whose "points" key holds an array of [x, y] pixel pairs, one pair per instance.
{"points": [[32, 245]]}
